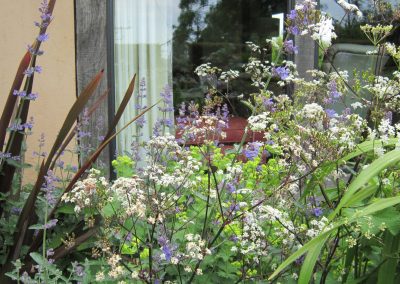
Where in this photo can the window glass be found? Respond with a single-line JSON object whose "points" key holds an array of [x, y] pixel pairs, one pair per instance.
{"points": [[352, 51], [163, 41], [347, 24], [215, 32]]}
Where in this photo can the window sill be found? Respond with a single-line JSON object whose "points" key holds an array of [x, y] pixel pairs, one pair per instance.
{"points": [[234, 133]]}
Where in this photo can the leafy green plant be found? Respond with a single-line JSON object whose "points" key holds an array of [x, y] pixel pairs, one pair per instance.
{"points": [[317, 200]]}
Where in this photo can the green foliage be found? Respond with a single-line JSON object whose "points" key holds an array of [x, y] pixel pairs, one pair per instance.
{"points": [[123, 165]]}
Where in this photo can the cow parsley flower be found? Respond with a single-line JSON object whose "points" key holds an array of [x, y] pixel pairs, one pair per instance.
{"points": [[312, 111], [259, 122], [229, 75], [350, 8], [323, 31]]}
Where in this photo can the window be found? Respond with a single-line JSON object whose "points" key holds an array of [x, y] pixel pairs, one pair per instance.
{"points": [[163, 41]]}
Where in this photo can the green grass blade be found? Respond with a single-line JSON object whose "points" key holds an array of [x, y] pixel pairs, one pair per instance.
{"points": [[383, 162], [387, 270], [317, 241], [370, 209], [362, 194], [350, 253], [369, 146], [307, 268]]}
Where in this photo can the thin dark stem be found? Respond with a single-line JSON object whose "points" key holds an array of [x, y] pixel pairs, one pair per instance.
{"points": [[150, 246], [179, 273], [327, 200], [207, 205], [329, 258], [219, 196]]}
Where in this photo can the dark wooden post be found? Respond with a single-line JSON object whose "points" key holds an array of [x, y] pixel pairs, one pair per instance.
{"points": [[307, 58], [91, 57]]}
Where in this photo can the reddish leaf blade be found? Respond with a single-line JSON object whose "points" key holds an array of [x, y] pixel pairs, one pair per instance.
{"points": [[122, 106], [12, 100]]}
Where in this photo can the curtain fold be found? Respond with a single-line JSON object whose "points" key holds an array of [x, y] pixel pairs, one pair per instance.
{"points": [[142, 46]]}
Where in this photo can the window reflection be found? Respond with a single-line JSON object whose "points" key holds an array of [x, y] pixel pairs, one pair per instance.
{"points": [[348, 25], [215, 31]]}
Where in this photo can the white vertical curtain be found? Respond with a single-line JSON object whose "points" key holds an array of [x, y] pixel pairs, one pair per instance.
{"points": [[142, 46]]}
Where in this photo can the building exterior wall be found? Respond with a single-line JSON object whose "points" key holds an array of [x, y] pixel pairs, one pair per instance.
{"points": [[56, 85]]}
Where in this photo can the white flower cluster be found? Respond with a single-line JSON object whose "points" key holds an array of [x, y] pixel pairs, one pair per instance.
{"points": [[252, 241], [351, 8], [258, 71], [259, 122], [343, 128], [383, 87], [234, 171], [323, 31], [306, 3], [186, 167], [88, 192], [117, 270], [128, 192], [167, 142], [207, 129], [196, 247], [317, 226], [227, 76], [206, 69], [312, 112], [376, 33], [284, 227], [384, 132], [254, 47]]}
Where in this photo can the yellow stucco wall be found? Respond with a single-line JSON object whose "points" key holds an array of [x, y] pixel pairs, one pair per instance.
{"points": [[56, 84]]}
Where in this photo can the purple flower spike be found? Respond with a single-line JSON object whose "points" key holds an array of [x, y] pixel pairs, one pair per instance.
{"points": [[33, 51], [32, 96], [331, 113], [252, 150], [333, 91], [38, 69], [292, 15], [21, 94], [317, 211], [167, 252], [43, 37], [281, 72], [29, 72], [231, 187], [294, 30], [290, 47]]}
